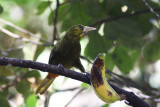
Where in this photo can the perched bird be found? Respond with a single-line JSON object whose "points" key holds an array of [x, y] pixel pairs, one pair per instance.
{"points": [[66, 52]]}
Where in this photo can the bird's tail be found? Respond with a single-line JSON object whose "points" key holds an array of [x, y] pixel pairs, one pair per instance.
{"points": [[43, 86]]}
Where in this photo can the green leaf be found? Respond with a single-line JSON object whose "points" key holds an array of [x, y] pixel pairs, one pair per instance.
{"points": [[109, 63], [125, 31], [84, 85], [124, 58], [4, 92], [83, 15], [43, 5], [23, 87], [97, 44], [152, 51], [34, 73], [3, 101], [63, 12], [144, 23], [105, 105], [31, 101], [39, 50], [1, 9], [137, 5], [113, 7], [50, 18]]}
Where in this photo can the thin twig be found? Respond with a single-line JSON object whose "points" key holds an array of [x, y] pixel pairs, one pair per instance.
{"points": [[130, 83], [55, 20], [143, 96], [65, 2], [13, 49], [69, 89], [57, 90], [46, 103], [21, 38], [151, 9], [17, 36], [5, 52], [85, 58], [21, 30], [99, 22], [74, 96]]}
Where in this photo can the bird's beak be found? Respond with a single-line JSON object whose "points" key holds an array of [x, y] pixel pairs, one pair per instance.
{"points": [[87, 29]]}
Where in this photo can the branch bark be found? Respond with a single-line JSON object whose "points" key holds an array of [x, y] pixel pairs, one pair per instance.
{"points": [[55, 21], [131, 98], [127, 15]]}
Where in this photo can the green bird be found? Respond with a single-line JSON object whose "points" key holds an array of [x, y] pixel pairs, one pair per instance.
{"points": [[66, 52]]}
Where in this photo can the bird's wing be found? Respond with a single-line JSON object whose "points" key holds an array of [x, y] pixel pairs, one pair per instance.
{"points": [[77, 63], [52, 55]]}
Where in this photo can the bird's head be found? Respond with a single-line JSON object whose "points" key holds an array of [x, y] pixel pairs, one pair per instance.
{"points": [[77, 31]]}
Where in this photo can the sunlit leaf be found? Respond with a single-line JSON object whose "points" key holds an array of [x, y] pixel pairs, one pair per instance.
{"points": [[84, 85], [105, 105], [43, 5], [31, 101]]}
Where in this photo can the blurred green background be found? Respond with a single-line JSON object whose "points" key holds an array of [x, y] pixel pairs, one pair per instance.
{"points": [[127, 31]]}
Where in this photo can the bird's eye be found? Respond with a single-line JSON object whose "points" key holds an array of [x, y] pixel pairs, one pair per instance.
{"points": [[80, 26]]}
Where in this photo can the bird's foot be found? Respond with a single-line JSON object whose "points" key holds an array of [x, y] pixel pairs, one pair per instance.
{"points": [[126, 102], [60, 66], [88, 75]]}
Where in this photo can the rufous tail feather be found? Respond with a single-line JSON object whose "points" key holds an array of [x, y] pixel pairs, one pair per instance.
{"points": [[43, 86]]}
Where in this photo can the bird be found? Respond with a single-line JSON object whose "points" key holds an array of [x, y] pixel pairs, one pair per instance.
{"points": [[66, 53]]}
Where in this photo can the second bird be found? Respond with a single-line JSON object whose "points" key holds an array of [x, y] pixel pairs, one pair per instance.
{"points": [[66, 52]]}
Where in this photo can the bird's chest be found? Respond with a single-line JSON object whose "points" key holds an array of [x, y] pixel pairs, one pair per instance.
{"points": [[68, 54], [72, 51]]}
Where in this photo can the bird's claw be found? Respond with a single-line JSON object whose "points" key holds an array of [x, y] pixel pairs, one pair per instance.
{"points": [[60, 66], [88, 75], [126, 102]]}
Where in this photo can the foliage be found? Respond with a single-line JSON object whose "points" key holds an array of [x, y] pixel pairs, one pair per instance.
{"points": [[130, 37]]}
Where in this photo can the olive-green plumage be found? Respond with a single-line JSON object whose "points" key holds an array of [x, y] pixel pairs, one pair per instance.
{"points": [[66, 52]]}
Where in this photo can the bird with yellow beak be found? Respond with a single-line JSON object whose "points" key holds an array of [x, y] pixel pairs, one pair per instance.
{"points": [[67, 53]]}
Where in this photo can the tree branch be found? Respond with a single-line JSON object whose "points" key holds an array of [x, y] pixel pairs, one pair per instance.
{"points": [[21, 30], [74, 97], [131, 98], [99, 22], [18, 36], [151, 9], [55, 20]]}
